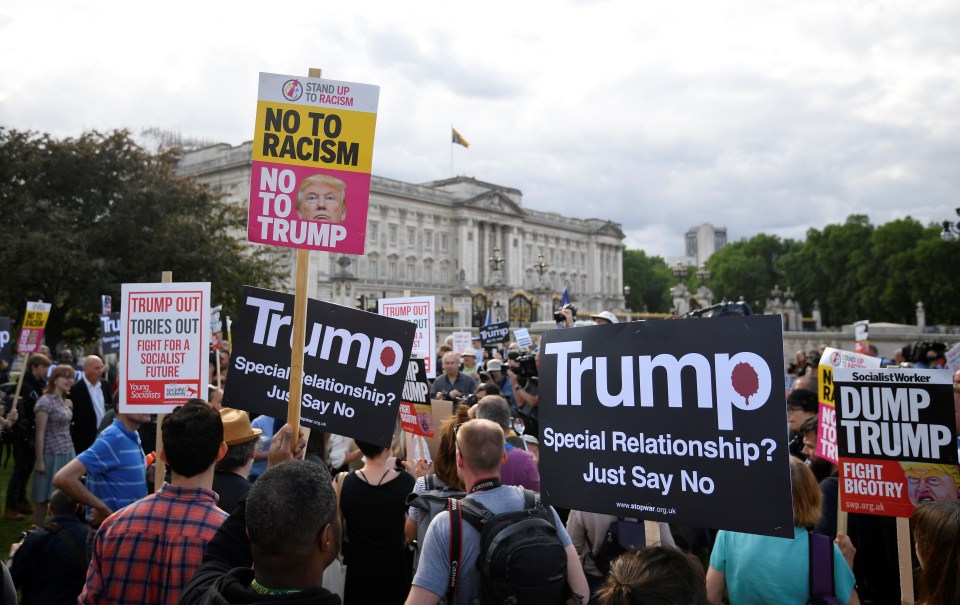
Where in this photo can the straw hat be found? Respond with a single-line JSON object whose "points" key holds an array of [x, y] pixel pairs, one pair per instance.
{"points": [[236, 427]]}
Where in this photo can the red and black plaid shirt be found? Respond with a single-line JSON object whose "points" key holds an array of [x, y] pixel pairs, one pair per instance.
{"points": [[148, 551]]}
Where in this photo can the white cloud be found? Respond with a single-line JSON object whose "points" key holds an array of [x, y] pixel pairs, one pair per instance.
{"points": [[770, 116]]}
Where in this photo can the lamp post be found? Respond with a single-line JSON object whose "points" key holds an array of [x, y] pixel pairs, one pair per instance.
{"points": [[950, 231], [679, 271], [498, 310], [540, 266], [703, 274], [496, 261]]}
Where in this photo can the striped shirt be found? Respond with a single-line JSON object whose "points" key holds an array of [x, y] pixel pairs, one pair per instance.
{"points": [[147, 552], [116, 469]]}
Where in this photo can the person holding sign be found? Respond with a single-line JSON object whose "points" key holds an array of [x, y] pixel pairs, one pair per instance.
{"points": [[54, 447], [762, 569], [322, 197]]}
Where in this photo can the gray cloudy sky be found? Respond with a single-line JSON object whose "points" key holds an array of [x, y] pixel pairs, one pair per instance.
{"points": [[756, 115]]}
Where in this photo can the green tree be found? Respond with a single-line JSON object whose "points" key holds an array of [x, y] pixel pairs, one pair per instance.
{"points": [[80, 216], [749, 268], [649, 279]]}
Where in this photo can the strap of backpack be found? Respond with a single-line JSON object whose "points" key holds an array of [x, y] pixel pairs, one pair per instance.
{"points": [[821, 580], [456, 546], [67, 538]]}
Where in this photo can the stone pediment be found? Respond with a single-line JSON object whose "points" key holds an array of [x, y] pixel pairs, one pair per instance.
{"points": [[610, 228], [495, 201]]}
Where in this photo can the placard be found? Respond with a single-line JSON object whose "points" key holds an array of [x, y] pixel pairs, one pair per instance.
{"points": [[523, 339], [421, 311], [34, 322], [416, 415], [827, 414], [6, 346], [897, 439], [494, 335], [312, 158], [164, 339], [680, 421], [354, 365], [110, 333], [462, 342], [216, 328]]}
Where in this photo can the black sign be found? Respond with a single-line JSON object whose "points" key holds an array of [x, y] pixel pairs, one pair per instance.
{"points": [[6, 344], [110, 333], [492, 335], [354, 365], [681, 421]]}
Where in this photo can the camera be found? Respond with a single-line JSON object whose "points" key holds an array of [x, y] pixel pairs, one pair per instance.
{"points": [[469, 400], [526, 369], [558, 316]]}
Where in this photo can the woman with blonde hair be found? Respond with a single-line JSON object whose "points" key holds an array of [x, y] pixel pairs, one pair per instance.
{"points": [[936, 532], [762, 569], [53, 443]]}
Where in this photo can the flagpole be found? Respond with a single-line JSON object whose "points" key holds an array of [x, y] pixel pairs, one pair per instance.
{"points": [[452, 173]]}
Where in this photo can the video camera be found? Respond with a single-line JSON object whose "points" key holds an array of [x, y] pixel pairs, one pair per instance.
{"points": [[558, 316], [920, 351]]}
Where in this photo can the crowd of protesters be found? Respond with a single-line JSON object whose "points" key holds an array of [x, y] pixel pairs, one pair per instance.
{"points": [[241, 519]]}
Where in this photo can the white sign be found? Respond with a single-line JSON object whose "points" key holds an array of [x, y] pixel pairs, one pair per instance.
{"points": [[419, 310], [462, 342], [522, 336], [953, 358], [164, 339]]}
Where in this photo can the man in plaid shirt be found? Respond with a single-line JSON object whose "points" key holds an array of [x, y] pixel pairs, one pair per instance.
{"points": [[146, 552]]}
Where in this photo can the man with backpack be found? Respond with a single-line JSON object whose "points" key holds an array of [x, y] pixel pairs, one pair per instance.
{"points": [[467, 556]]}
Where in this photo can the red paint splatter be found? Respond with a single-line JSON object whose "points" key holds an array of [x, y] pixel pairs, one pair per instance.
{"points": [[745, 380], [387, 357]]}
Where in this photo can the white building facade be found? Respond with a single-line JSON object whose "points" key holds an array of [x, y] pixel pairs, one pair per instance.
{"points": [[470, 244]]}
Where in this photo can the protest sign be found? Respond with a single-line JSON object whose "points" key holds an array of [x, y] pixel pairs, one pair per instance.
{"points": [[312, 158], [164, 342], [827, 416], [416, 417], [216, 328], [462, 342], [354, 365], [897, 439], [679, 421], [523, 339], [110, 333], [953, 358], [34, 322], [493, 335], [420, 311], [6, 347]]}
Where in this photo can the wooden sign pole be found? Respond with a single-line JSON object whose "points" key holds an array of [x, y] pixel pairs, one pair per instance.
{"points": [[651, 529], [23, 371], [905, 561], [160, 469], [299, 332]]}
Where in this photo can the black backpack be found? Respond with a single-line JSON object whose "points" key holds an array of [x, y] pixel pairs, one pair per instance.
{"points": [[522, 559]]}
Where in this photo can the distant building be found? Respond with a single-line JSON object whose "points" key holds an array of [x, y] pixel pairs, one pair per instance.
{"points": [[701, 242], [437, 239]]}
